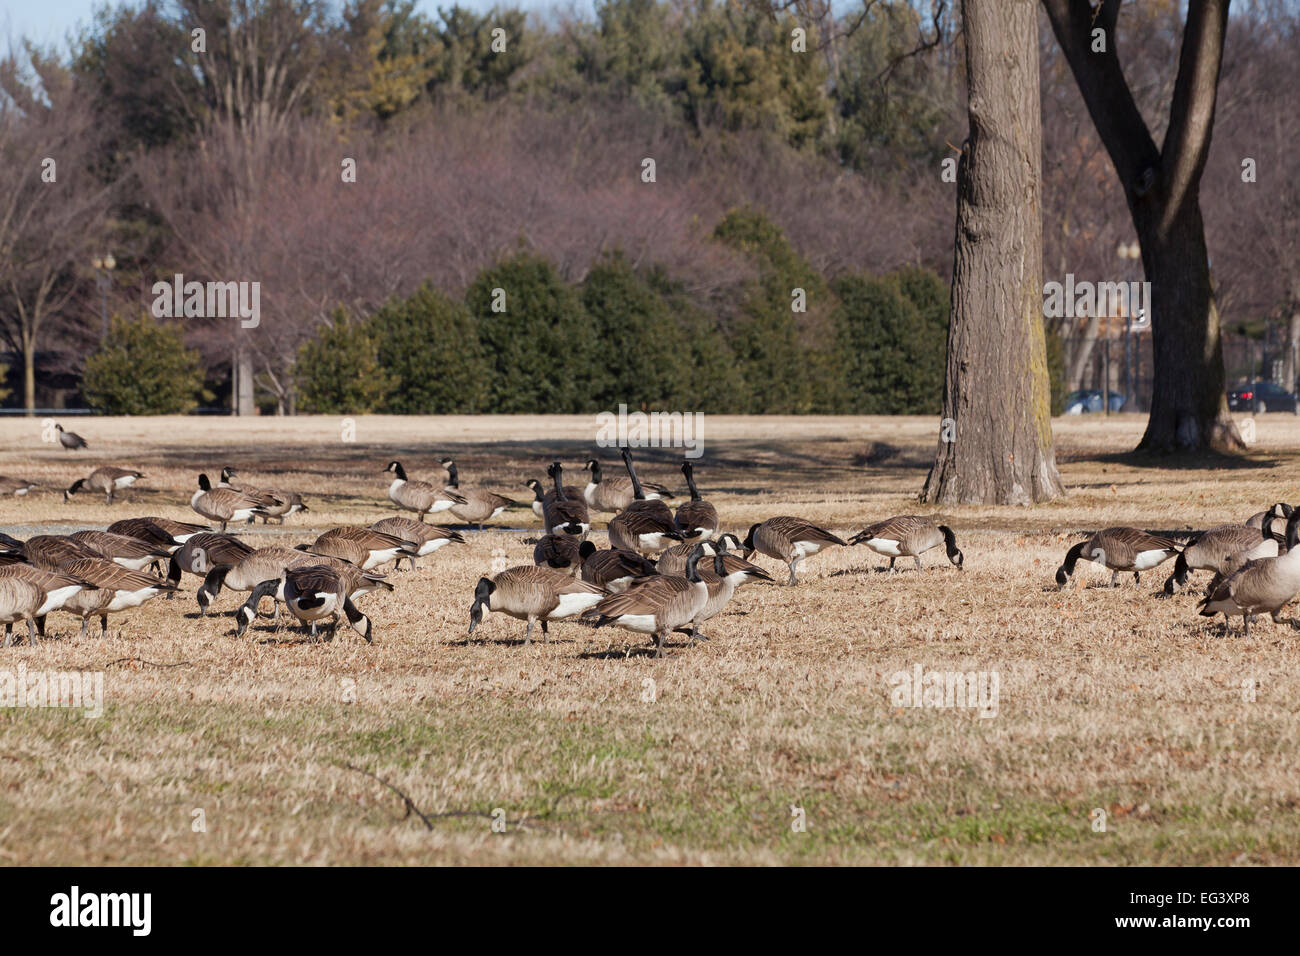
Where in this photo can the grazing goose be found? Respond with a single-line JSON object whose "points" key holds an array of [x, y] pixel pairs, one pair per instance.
{"points": [[560, 512], [908, 536], [314, 592], [480, 506], [726, 573], [615, 494], [225, 505], [530, 593], [1264, 584], [20, 600], [788, 539], [425, 538], [107, 479], [364, 547], [161, 532], [419, 496], [246, 573], [1120, 549], [697, 518], [69, 440], [1212, 550], [115, 589], [562, 552], [275, 503], [52, 551], [657, 605], [202, 552], [616, 569], [15, 486], [131, 553], [673, 561], [58, 586]]}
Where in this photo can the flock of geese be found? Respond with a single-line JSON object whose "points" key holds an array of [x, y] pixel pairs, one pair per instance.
{"points": [[666, 570]]}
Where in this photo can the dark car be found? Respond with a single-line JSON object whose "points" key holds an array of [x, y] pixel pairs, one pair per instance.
{"points": [[1090, 400], [1262, 397]]}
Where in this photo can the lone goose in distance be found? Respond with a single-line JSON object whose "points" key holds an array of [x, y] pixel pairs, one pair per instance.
{"points": [[69, 440], [15, 486], [789, 539], [530, 593], [909, 536], [419, 496], [1120, 549]]}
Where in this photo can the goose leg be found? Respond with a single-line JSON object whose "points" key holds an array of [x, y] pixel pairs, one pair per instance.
{"points": [[917, 559], [891, 565], [1137, 577], [528, 632], [793, 564], [546, 635], [659, 644], [103, 626], [1114, 579], [40, 625], [85, 621], [1245, 621], [31, 632], [9, 635]]}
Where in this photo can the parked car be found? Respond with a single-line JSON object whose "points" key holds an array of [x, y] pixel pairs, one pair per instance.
{"points": [[1090, 400], [1262, 397]]}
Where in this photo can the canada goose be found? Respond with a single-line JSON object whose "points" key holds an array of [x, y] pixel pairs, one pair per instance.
{"points": [[697, 518], [615, 494], [657, 605], [161, 532], [115, 589], [107, 479], [224, 505], [20, 600], [52, 551], [1120, 549], [480, 506], [202, 552], [69, 440], [269, 564], [908, 536], [1264, 584], [788, 539], [275, 503], [1211, 551], [419, 496], [561, 512], [15, 486], [1280, 510], [562, 552], [541, 497], [426, 538], [364, 547], [530, 593], [314, 592], [58, 586], [645, 524], [616, 569], [725, 573], [129, 552], [673, 561]]}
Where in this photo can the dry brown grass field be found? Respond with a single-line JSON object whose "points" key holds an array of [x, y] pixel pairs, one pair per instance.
{"points": [[1110, 699]]}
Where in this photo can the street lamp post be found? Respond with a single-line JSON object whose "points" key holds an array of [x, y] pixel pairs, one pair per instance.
{"points": [[103, 266]]}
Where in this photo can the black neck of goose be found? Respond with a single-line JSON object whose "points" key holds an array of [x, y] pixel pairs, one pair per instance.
{"points": [[399, 471], [204, 483], [949, 540], [689, 472], [453, 476], [637, 491], [557, 472], [537, 490], [595, 472], [1293, 531], [1073, 555], [692, 571], [719, 566]]}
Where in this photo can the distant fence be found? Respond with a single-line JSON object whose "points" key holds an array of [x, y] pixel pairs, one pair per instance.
{"points": [[1126, 362]]}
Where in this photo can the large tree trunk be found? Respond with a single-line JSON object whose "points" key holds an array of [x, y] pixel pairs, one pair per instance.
{"points": [[997, 391], [29, 374], [1189, 410]]}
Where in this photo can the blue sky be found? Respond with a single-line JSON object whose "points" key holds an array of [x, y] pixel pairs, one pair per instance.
{"points": [[50, 21]]}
